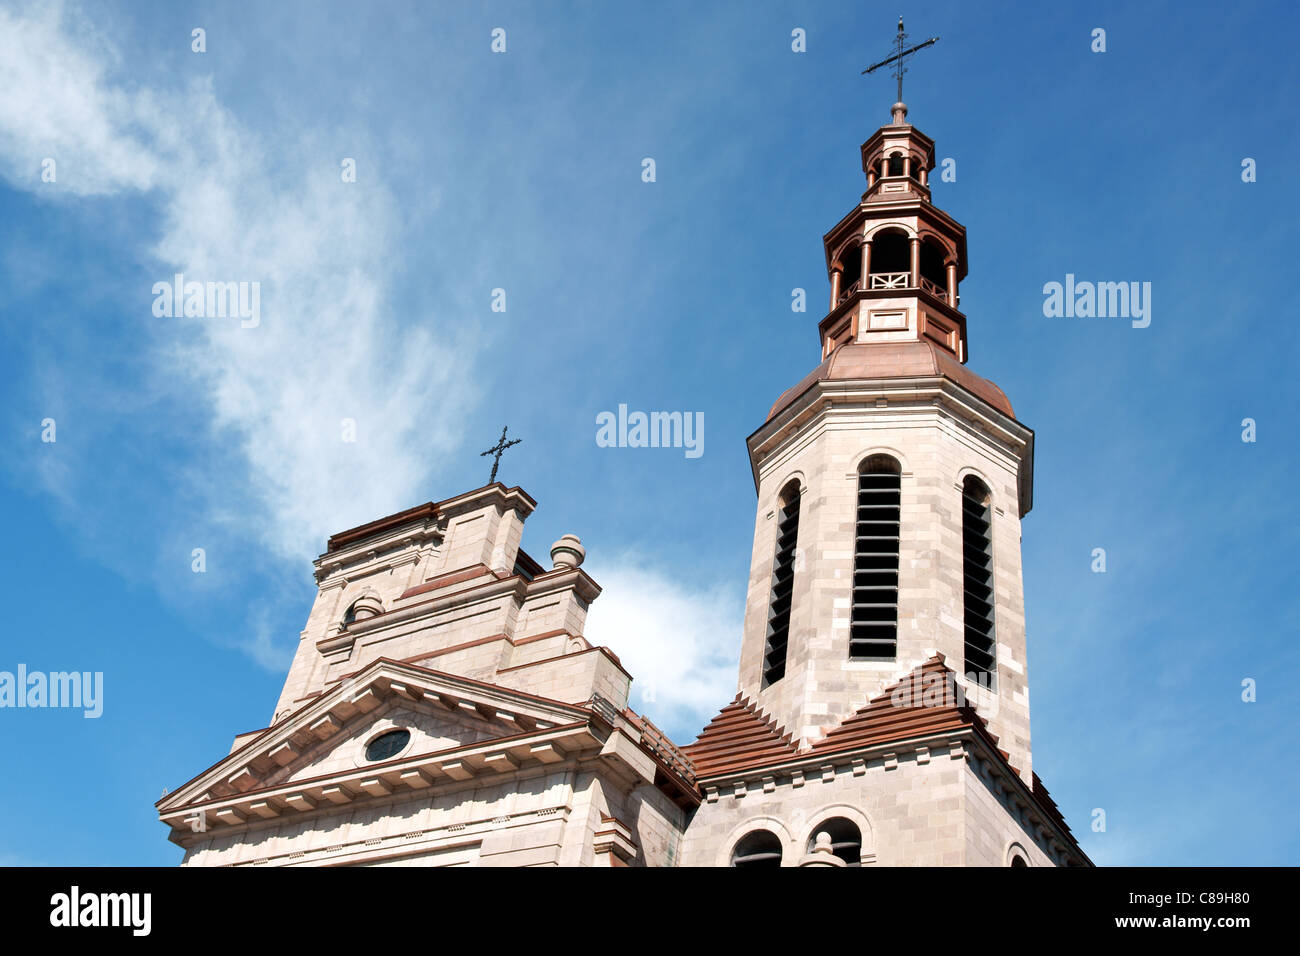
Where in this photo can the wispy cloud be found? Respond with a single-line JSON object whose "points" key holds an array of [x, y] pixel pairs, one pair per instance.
{"points": [[332, 343]]}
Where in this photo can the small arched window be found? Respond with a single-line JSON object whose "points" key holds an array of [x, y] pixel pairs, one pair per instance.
{"points": [[873, 622], [757, 848], [366, 606], [1018, 860], [846, 839], [896, 164], [977, 581], [783, 567]]}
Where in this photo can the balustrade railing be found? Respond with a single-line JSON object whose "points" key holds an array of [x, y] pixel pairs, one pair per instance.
{"points": [[891, 280], [936, 290]]}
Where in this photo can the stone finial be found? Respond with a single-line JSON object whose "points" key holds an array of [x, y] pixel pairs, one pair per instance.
{"points": [[899, 112], [822, 853], [568, 552]]}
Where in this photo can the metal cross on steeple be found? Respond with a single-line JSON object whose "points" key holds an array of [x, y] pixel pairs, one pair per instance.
{"points": [[899, 59], [496, 451]]}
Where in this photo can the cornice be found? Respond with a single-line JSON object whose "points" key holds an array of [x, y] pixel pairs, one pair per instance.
{"points": [[822, 397], [968, 744]]}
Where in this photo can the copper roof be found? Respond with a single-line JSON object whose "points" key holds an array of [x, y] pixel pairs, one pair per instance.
{"points": [[740, 736], [884, 360], [424, 511]]}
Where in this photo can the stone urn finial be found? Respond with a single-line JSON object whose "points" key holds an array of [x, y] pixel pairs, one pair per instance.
{"points": [[568, 552], [822, 853]]}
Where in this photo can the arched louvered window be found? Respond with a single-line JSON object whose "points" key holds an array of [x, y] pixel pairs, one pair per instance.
{"points": [[778, 610], [846, 839], [977, 581], [757, 848], [873, 624]]}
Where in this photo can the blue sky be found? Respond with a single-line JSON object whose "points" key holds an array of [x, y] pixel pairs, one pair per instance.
{"points": [[522, 171]]}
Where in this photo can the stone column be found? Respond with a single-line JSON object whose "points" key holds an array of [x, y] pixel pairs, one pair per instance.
{"points": [[952, 284], [916, 261]]}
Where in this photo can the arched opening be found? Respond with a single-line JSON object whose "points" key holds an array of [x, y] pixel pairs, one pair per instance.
{"points": [[1018, 860], [873, 621], [977, 581], [891, 260], [783, 570], [757, 848], [366, 606], [895, 165], [846, 839], [851, 271], [934, 271]]}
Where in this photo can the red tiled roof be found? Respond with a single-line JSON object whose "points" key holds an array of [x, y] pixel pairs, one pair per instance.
{"points": [[740, 736], [924, 702], [1048, 805]]}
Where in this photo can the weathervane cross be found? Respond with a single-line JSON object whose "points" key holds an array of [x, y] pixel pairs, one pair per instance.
{"points": [[899, 59], [496, 451]]}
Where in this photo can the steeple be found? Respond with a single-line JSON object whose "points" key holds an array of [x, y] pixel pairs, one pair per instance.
{"points": [[896, 260], [891, 480]]}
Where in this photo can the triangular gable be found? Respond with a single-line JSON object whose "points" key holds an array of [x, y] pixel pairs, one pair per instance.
{"points": [[927, 700], [740, 736], [433, 728], [471, 712]]}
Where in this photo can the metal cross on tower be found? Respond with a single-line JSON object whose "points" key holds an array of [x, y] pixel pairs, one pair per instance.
{"points": [[496, 451], [899, 59]]}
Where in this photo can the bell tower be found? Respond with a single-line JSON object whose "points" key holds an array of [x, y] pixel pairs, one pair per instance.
{"points": [[891, 481], [896, 259]]}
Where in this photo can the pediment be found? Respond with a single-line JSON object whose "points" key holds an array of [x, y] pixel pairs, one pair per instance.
{"points": [[432, 728], [328, 736]]}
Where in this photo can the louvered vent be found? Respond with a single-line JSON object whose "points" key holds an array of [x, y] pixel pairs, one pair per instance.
{"points": [[873, 630], [778, 612], [977, 559]]}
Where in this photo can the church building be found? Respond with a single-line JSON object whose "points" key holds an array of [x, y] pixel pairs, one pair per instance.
{"points": [[445, 708]]}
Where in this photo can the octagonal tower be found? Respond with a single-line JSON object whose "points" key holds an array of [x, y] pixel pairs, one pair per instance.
{"points": [[891, 481]]}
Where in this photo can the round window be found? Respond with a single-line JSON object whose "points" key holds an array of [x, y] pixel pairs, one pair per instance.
{"points": [[388, 745]]}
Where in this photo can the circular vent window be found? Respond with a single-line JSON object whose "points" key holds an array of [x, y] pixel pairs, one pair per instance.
{"points": [[388, 745]]}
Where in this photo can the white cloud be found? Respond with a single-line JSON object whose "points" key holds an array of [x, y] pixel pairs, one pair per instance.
{"points": [[57, 104], [680, 642], [332, 344], [237, 205]]}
